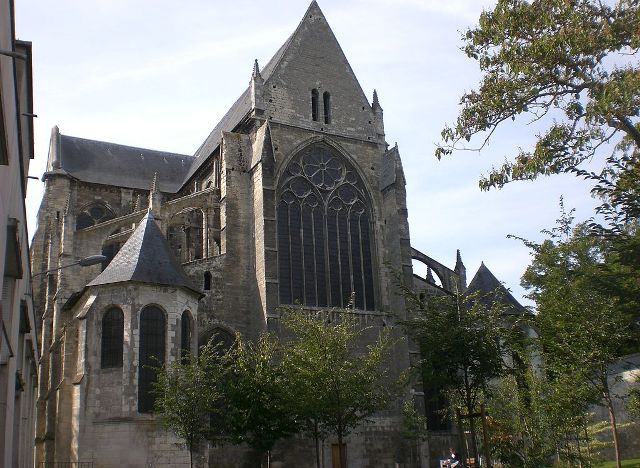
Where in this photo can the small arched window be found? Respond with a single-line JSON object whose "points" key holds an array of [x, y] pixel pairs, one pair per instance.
{"points": [[314, 104], [152, 351], [326, 101], [221, 339], [112, 338], [185, 335], [93, 214], [207, 281]]}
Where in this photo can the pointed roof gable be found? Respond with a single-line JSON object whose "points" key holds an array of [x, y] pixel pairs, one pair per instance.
{"points": [[313, 41], [313, 54], [145, 258], [490, 288]]}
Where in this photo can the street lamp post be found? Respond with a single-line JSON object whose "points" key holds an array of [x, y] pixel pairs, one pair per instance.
{"points": [[86, 261]]}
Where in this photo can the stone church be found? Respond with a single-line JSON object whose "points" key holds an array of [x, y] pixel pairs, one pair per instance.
{"points": [[294, 196]]}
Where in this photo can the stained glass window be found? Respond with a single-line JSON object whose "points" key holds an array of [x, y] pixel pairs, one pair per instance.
{"points": [[324, 232], [152, 350]]}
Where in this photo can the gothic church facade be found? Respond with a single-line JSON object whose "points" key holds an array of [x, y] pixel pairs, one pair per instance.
{"points": [[294, 197]]}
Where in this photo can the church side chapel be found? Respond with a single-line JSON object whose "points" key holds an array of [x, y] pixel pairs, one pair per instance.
{"points": [[294, 197]]}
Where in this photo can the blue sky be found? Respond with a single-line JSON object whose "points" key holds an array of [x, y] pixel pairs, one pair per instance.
{"points": [[160, 74]]}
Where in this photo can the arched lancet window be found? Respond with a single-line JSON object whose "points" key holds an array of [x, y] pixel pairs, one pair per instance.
{"points": [[185, 334], [207, 281], [152, 351], [326, 102], [324, 232], [314, 105], [93, 214], [112, 338]]}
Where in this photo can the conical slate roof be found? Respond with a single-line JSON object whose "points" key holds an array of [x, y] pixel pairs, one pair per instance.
{"points": [[491, 289], [145, 258]]}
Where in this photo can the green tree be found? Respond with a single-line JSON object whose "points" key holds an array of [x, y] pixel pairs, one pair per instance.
{"points": [[584, 326], [464, 344], [180, 402], [413, 429], [534, 417], [633, 405], [258, 407], [340, 381], [572, 63]]}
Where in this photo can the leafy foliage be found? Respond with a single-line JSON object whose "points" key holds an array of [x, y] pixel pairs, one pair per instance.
{"points": [[257, 393], [534, 418], [584, 317], [465, 342], [338, 381], [572, 63], [181, 405]]}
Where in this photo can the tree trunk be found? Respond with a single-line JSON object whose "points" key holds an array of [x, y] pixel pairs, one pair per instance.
{"points": [[342, 451], [474, 445], [614, 427], [317, 441]]}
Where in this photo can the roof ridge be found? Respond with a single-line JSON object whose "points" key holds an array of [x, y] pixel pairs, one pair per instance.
{"points": [[125, 146]]}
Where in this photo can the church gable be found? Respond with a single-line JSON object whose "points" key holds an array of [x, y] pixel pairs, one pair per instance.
{"points": [[309, 83]]}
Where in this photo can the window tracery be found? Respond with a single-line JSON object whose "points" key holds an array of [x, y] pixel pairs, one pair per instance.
{"points": [[324, 232], [92, 215]]}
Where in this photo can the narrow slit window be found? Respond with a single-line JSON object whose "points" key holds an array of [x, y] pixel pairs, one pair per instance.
{"points": [[314, 105], [326, 101], [207, 281]]}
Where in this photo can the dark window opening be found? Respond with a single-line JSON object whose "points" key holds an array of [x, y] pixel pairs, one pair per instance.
{"points": [[185, 336], [112, 338], [207, 281], [109, 251], [314, 105], [325, 235], [152, 350], [326, 101]]}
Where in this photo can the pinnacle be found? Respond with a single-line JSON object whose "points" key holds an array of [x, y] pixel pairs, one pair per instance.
{"points": [[430, 278], [256, 69]]}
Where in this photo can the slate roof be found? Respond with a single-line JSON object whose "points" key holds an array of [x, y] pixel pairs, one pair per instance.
{"points": [[490, 289], [124, 166], [145, 258]]}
